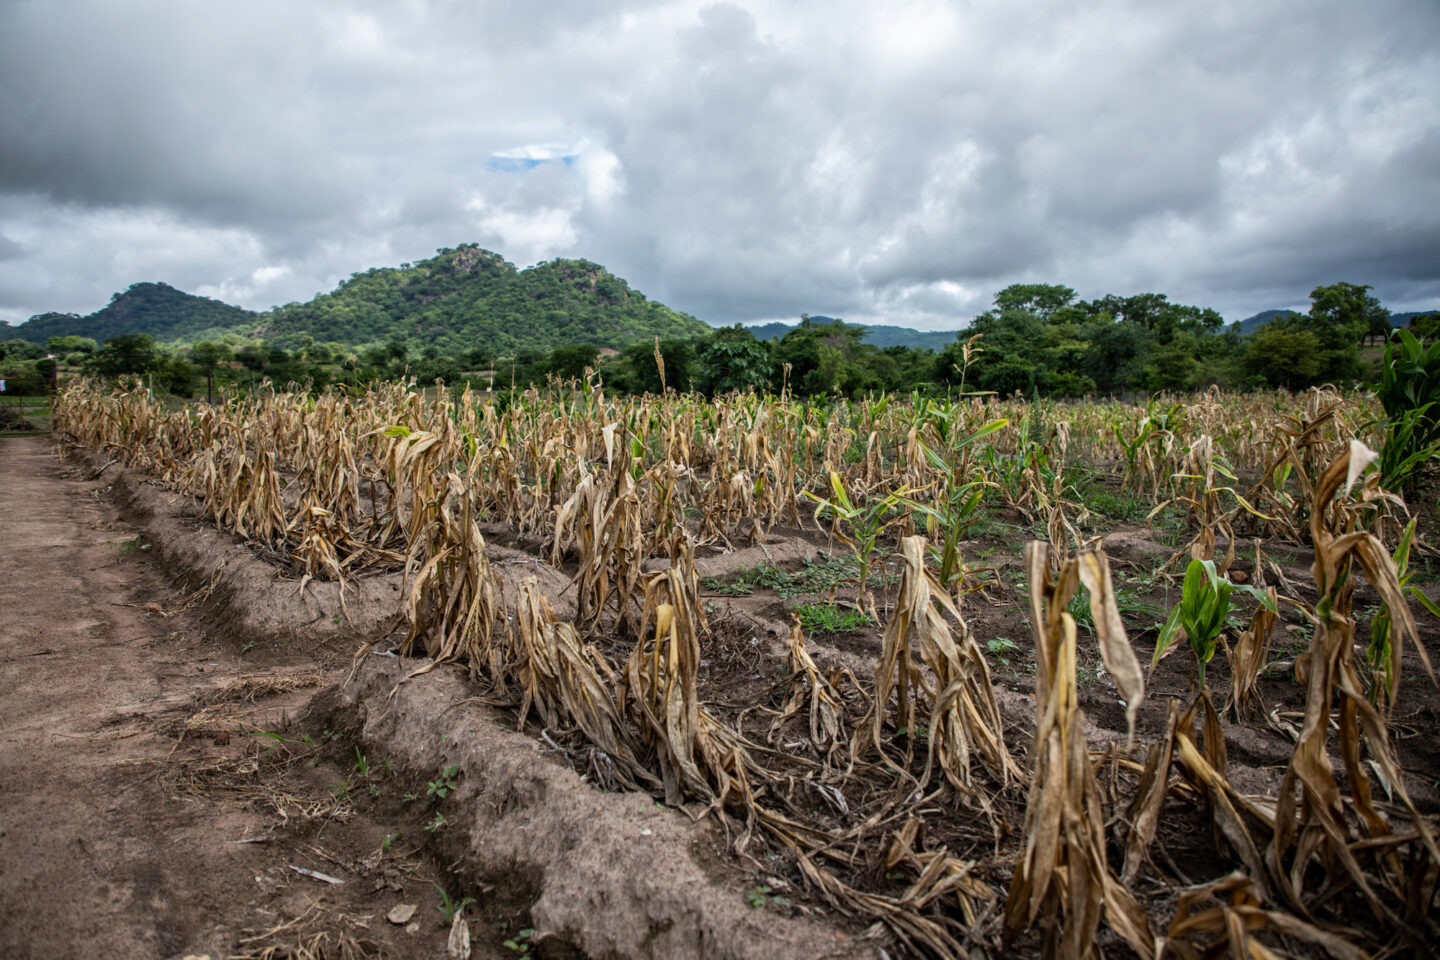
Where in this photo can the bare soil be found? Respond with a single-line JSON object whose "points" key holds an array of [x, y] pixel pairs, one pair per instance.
{"points": [[140, 813], [185, 728]]}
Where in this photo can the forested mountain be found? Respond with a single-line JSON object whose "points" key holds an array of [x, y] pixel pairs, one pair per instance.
{"points": [[877, 336], [1251, 324], [467, 297], [1405, 319], [157, 309], [461, 299]]}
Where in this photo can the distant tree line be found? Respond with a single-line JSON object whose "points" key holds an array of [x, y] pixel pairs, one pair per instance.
{"points": [[1037, 339]]}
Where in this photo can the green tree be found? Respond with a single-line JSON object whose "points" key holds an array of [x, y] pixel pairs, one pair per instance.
{"points": [[1040, 300], [1038, 337], [1426, 327], [375, 356], [133, 353], [207, 355], [637, 372], [1155, 313], [812, 372], [1174, 366], [71, 344], [732, 359], [18, 349], [254, 356], [1348, 308], [1014, 336], [570, 363], [1340, 316], [1118, 354], [176, 376], [1283, 356], [1009, 376], [322, 353]]}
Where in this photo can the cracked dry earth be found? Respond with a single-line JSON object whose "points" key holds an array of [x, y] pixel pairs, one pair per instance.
{"points": [[144, 812]]}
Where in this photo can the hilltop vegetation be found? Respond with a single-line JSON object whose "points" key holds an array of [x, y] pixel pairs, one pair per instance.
{"points": [[155, 309], [467, 297], [459, 300]]}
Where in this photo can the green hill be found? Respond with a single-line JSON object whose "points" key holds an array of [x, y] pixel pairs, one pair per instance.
{"points": [[468, 297], [457, 300], [1251, 324], [154, 308]]}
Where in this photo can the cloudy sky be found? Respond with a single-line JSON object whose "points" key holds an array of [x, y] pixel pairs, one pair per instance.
{"points": [[891, 162]]}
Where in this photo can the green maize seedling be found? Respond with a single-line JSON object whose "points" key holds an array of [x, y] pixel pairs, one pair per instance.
{"points": [[1204, 605]]}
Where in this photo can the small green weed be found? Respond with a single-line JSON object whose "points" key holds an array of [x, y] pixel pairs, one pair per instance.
{"points": [[989, 527], [277, 740], [762, 898], [1001, 647], [441, 788], [820, 618], [362, 767], [435, 822], [818, 575], [523, 942], [1080, 609], [447, 907], [1132, 605], [741, 583], [1115, 505]]}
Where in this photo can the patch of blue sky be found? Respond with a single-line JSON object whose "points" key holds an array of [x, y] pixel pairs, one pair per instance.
{"points": [[524, 164]]}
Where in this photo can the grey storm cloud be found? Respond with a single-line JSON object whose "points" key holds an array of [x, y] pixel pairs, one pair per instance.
{"points": [[742, 161]]}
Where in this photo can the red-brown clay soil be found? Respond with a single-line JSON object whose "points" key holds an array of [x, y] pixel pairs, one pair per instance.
{"points": [[140, 815]]}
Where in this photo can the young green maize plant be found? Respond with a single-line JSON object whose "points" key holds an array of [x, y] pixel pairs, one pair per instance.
{"points": [[864, 526], [1200, 614], [955, 507], [1378, 655]]}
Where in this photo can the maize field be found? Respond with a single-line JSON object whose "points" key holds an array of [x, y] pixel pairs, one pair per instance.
{"points": [[976, 707]]}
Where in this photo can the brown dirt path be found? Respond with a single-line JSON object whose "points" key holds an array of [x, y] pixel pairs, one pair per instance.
{"points": [[132, 824]]}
